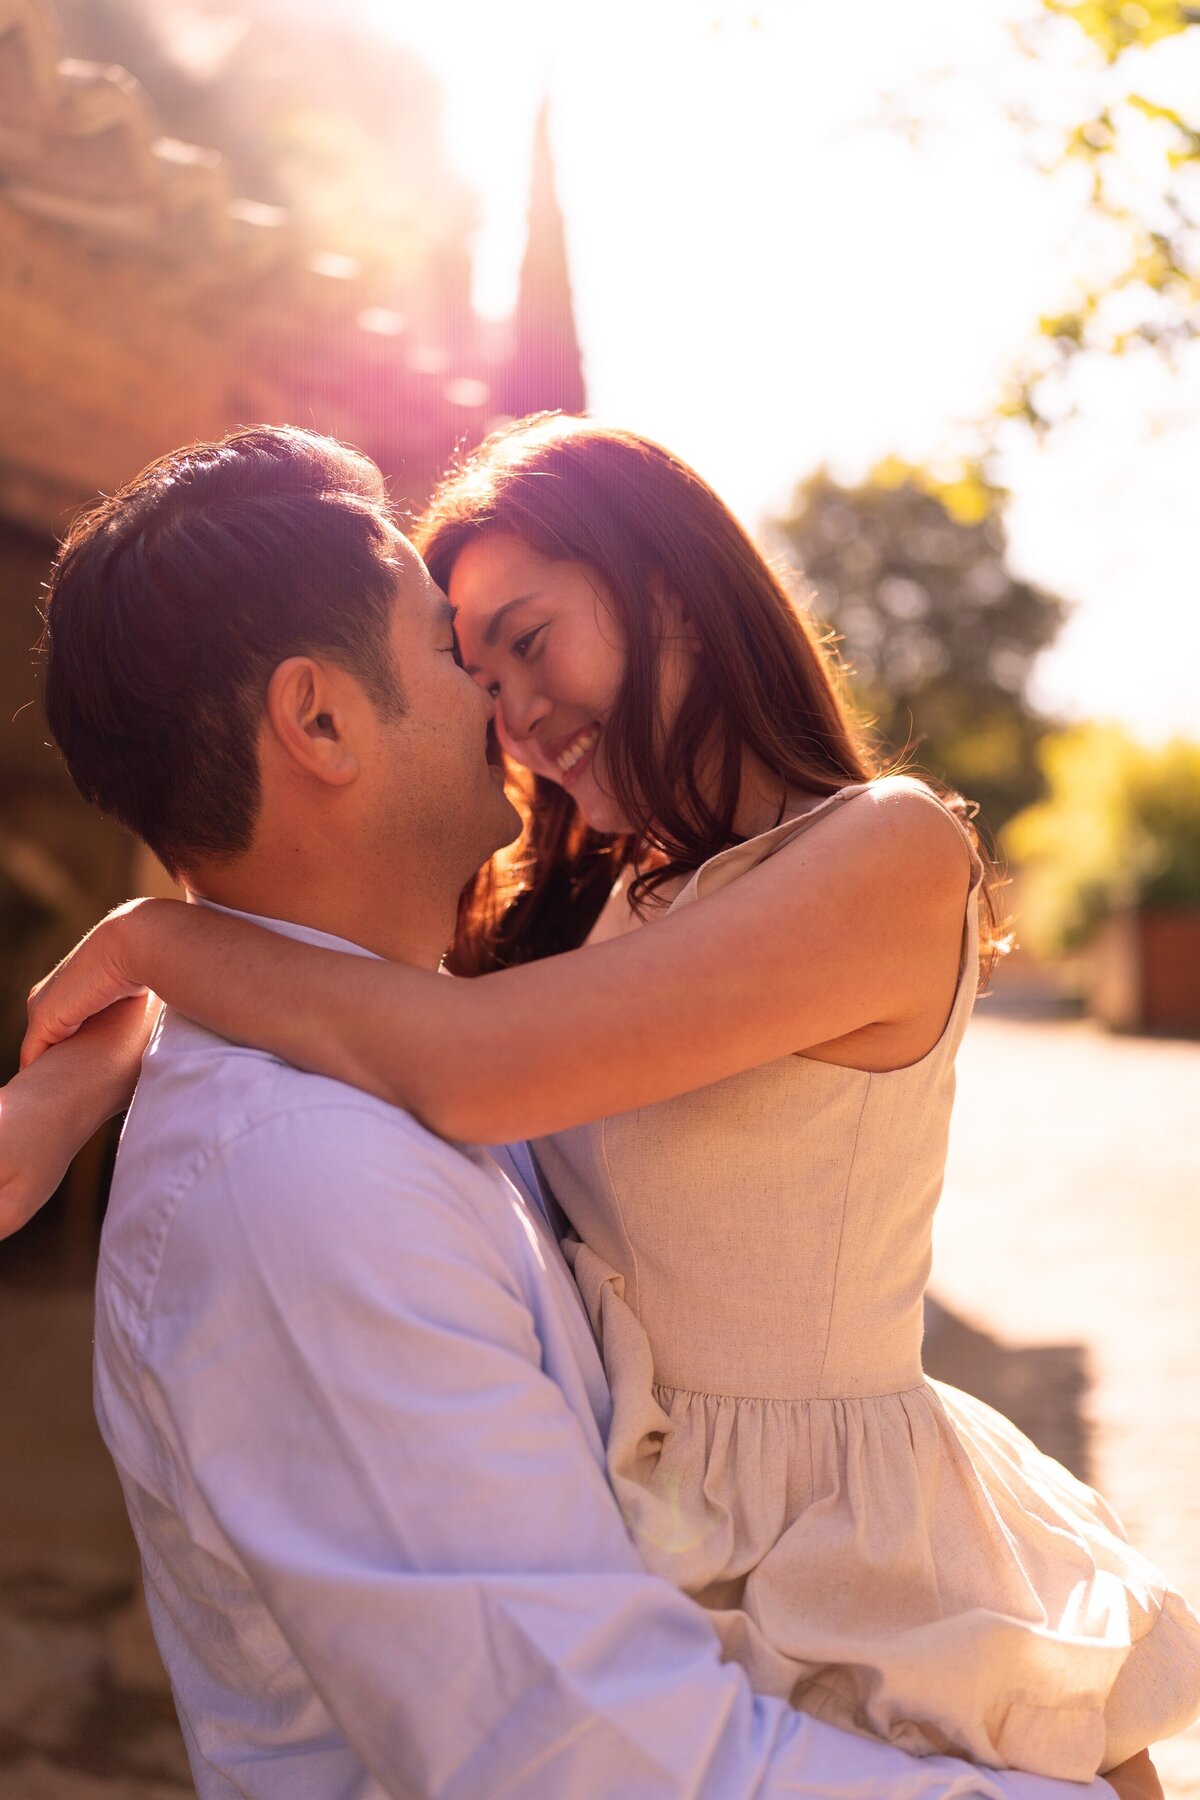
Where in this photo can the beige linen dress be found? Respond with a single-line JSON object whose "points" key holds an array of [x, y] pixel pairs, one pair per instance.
{"points": [[884, 1551]]}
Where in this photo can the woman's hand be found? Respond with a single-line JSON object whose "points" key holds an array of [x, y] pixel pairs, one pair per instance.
{"points": [[33, 1155], [93, 977], [48, 1113], [1136, 1779]]}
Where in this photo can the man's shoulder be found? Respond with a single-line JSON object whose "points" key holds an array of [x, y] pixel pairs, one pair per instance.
{"points": [[226, 1146], [251, 1198], [203, 1093]]}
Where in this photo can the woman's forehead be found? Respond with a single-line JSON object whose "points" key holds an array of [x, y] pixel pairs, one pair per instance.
{"points": [[486, 565]]}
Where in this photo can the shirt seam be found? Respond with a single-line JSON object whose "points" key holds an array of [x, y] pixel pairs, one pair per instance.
{"points": [[219, 1148]]}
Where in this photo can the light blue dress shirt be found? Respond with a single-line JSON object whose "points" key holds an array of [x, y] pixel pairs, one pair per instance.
{"points": [[358, 1416]]}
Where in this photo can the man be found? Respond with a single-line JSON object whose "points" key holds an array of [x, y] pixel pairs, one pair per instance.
{"points": [[349, 1387]]}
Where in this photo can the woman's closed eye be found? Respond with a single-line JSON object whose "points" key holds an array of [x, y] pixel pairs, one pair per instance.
{"points": [[521, 646]]}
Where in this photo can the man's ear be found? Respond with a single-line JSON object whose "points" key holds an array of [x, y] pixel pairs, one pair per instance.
{"points": [[307, 716]]}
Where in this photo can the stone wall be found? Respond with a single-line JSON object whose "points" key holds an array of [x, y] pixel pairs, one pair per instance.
{"points": [[145, 304], [61, 864]]}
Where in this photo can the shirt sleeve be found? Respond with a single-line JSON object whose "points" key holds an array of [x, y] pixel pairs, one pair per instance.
{"points": [[344, 1342]]}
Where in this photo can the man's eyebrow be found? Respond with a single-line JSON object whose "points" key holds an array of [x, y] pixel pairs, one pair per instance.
{"points": [[444, 613]]}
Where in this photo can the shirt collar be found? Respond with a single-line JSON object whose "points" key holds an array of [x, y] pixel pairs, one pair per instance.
{"points": [[304, 934], [519, 1153]]}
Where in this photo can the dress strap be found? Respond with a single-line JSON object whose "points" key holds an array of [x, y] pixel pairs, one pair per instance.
{"points": [[728, 864]]}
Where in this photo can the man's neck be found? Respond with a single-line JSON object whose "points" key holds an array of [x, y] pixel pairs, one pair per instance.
{"points": [[398, 923]]}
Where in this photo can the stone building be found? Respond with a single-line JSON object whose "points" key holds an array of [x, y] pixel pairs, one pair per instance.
{"points": [[145, 302]]}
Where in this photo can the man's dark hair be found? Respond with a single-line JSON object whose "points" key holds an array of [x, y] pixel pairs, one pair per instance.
{"points": [[171, 603]]}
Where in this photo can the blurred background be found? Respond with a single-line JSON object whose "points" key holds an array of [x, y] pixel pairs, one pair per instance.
{"points": [[918, 290]]}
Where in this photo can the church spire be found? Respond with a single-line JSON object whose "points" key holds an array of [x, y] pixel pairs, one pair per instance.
{"points": [[546, 371]]}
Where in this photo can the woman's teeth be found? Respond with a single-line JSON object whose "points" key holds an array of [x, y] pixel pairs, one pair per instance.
{"points": [[578, 748]]}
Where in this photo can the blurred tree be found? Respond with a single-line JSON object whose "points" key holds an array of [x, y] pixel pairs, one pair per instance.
{"points": [[1119, 827], [940, 636], [1142, 152]]}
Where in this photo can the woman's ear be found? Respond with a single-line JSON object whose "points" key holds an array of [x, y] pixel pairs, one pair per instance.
{"points": [[308, 719]]}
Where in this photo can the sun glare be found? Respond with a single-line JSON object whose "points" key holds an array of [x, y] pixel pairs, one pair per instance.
{"points": [[804, 233]]}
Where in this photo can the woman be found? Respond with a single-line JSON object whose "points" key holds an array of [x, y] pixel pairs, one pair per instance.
{"points": [[741, 1091]]}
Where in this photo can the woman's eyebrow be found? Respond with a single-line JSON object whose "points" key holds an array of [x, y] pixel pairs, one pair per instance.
{"points": [[491, 630]]}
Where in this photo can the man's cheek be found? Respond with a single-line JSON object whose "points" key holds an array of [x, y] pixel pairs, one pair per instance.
{"points": [[505, 738]]}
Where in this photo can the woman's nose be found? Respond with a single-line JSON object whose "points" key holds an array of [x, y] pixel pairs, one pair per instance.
{"points": [[521, 709]]}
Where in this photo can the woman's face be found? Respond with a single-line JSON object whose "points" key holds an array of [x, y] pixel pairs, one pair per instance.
{"points": [[541, 636]]}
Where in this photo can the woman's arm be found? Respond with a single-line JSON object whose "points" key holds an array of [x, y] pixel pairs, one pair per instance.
{"points": [[50, 1110], [847, 930]]}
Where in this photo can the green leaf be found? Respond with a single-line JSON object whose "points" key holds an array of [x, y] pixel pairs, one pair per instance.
{"points": [[1166, 115], [1118, 25], [1120, 826]]}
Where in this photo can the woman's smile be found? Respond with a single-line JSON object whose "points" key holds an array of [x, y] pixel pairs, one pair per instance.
{"points": [[540, 635], [573, 755]]}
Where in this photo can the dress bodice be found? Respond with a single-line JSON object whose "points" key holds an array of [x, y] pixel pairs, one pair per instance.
{"points": [[884, 1552], [773, 1229]]}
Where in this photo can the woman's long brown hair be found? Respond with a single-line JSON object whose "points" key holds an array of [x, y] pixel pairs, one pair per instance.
{"points": [[764, 681]]}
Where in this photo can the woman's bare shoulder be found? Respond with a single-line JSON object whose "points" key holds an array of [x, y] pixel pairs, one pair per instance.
{"points": [[897, 803], [899, 828]]}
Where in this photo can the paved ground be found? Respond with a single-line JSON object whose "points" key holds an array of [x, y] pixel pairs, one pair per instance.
{"points": [[1067, 1269], [1069, 1240]]}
